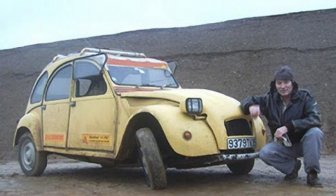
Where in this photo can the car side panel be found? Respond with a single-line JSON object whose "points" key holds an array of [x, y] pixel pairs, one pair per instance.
{"points": [[92, 123], [55, 123]]}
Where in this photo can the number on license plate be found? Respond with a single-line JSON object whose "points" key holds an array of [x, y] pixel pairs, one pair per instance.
{"points": [[239, 143]]}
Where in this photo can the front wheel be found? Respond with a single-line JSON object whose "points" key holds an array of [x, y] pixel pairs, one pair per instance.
{"points": [[241, 167], [32, 162], [150, 158]]}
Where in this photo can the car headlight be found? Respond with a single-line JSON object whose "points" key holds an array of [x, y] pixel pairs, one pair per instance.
{"points": [[194, 105]]}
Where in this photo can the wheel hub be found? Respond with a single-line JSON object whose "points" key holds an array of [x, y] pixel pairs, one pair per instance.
{"points": [[28, 155]]}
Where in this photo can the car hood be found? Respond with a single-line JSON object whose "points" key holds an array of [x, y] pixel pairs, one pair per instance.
{"points": [[212, 101]]}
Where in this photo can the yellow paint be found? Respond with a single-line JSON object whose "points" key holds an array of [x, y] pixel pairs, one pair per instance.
{"points": [[55, 122], [92, 116], [32, 122], [96, 125]]}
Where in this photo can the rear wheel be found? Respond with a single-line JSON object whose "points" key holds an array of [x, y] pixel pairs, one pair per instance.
{"points": [[32, 162], [241, 167], [150, 158]]}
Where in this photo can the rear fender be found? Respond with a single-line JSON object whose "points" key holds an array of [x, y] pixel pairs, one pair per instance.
{"points": [[29, 123]]}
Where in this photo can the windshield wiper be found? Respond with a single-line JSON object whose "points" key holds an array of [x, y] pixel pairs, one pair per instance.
{"points": [[149, 85]]}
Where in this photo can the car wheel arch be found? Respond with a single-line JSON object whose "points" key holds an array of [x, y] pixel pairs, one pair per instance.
{"points": [[21, 131], [142, 120], [29, 123]]}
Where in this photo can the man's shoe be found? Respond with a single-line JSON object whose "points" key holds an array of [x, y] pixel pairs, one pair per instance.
{"points": [[295, 172], [313, 180]]}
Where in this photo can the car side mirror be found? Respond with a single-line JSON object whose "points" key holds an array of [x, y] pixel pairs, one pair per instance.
{"points": [[172, 66]]}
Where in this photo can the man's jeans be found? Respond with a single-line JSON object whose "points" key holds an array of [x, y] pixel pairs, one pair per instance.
{"points": [[284, 158]]}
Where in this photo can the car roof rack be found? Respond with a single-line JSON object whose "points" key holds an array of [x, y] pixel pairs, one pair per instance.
{"points": [[57, 57], [113, 52]]}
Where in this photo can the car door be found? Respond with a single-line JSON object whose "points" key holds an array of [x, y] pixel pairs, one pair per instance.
{"points": [[92, 108], [55, 108]]}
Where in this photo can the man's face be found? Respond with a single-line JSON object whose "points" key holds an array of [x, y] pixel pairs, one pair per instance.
{"points": [[284, 87]]}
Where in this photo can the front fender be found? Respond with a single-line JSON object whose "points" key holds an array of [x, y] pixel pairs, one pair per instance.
{"points": [[260, 132], [29, 122], [174, 123]]}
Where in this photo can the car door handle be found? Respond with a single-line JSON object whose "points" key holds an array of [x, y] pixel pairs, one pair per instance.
{"points": [[44, 107], [72, 103]]}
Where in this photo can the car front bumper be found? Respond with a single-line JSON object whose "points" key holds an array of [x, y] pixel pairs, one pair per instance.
{"points": [[204, 161], [238, 157]]}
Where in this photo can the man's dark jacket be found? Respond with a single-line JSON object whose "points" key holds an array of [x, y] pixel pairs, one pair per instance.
{"points": [[300, 115]]}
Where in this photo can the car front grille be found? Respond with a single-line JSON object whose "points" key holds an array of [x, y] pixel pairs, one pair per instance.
{"points": [[238, 127]]}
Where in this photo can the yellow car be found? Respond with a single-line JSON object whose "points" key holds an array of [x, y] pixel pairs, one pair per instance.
{"points": [[115, 107]]}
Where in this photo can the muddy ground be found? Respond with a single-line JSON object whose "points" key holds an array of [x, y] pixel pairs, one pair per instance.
{"points": [[68, 177]]}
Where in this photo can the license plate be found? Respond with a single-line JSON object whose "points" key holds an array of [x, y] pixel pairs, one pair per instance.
{"points": [[241, 143]]}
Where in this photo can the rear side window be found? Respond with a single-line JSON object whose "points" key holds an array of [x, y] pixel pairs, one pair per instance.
{"points": [[59, 87], [39, 88]]}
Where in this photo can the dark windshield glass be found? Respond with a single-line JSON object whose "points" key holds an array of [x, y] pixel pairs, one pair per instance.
{"points": [[139, 76]]}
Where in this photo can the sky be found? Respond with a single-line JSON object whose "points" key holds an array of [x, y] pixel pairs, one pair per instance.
{"points": [[28, 22]]}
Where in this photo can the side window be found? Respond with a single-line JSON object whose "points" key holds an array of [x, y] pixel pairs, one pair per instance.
{"points": [[89, 80], [39, 88], [59, 87]]}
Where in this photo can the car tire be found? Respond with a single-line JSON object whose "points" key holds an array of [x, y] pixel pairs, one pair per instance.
{"points": [[241, 167], [150, 159], [32, 162]]}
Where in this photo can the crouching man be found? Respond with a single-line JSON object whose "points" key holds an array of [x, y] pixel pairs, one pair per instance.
{"points": [[294, 120]]}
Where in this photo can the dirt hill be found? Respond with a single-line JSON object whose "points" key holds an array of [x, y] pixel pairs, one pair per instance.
{"points": [[236, 57]]}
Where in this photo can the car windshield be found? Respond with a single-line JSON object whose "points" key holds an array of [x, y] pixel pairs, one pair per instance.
{"points": [[141, 76]]}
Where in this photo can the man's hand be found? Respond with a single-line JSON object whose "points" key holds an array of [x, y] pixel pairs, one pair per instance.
{"points": [[254, 111], [280, 131]]}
